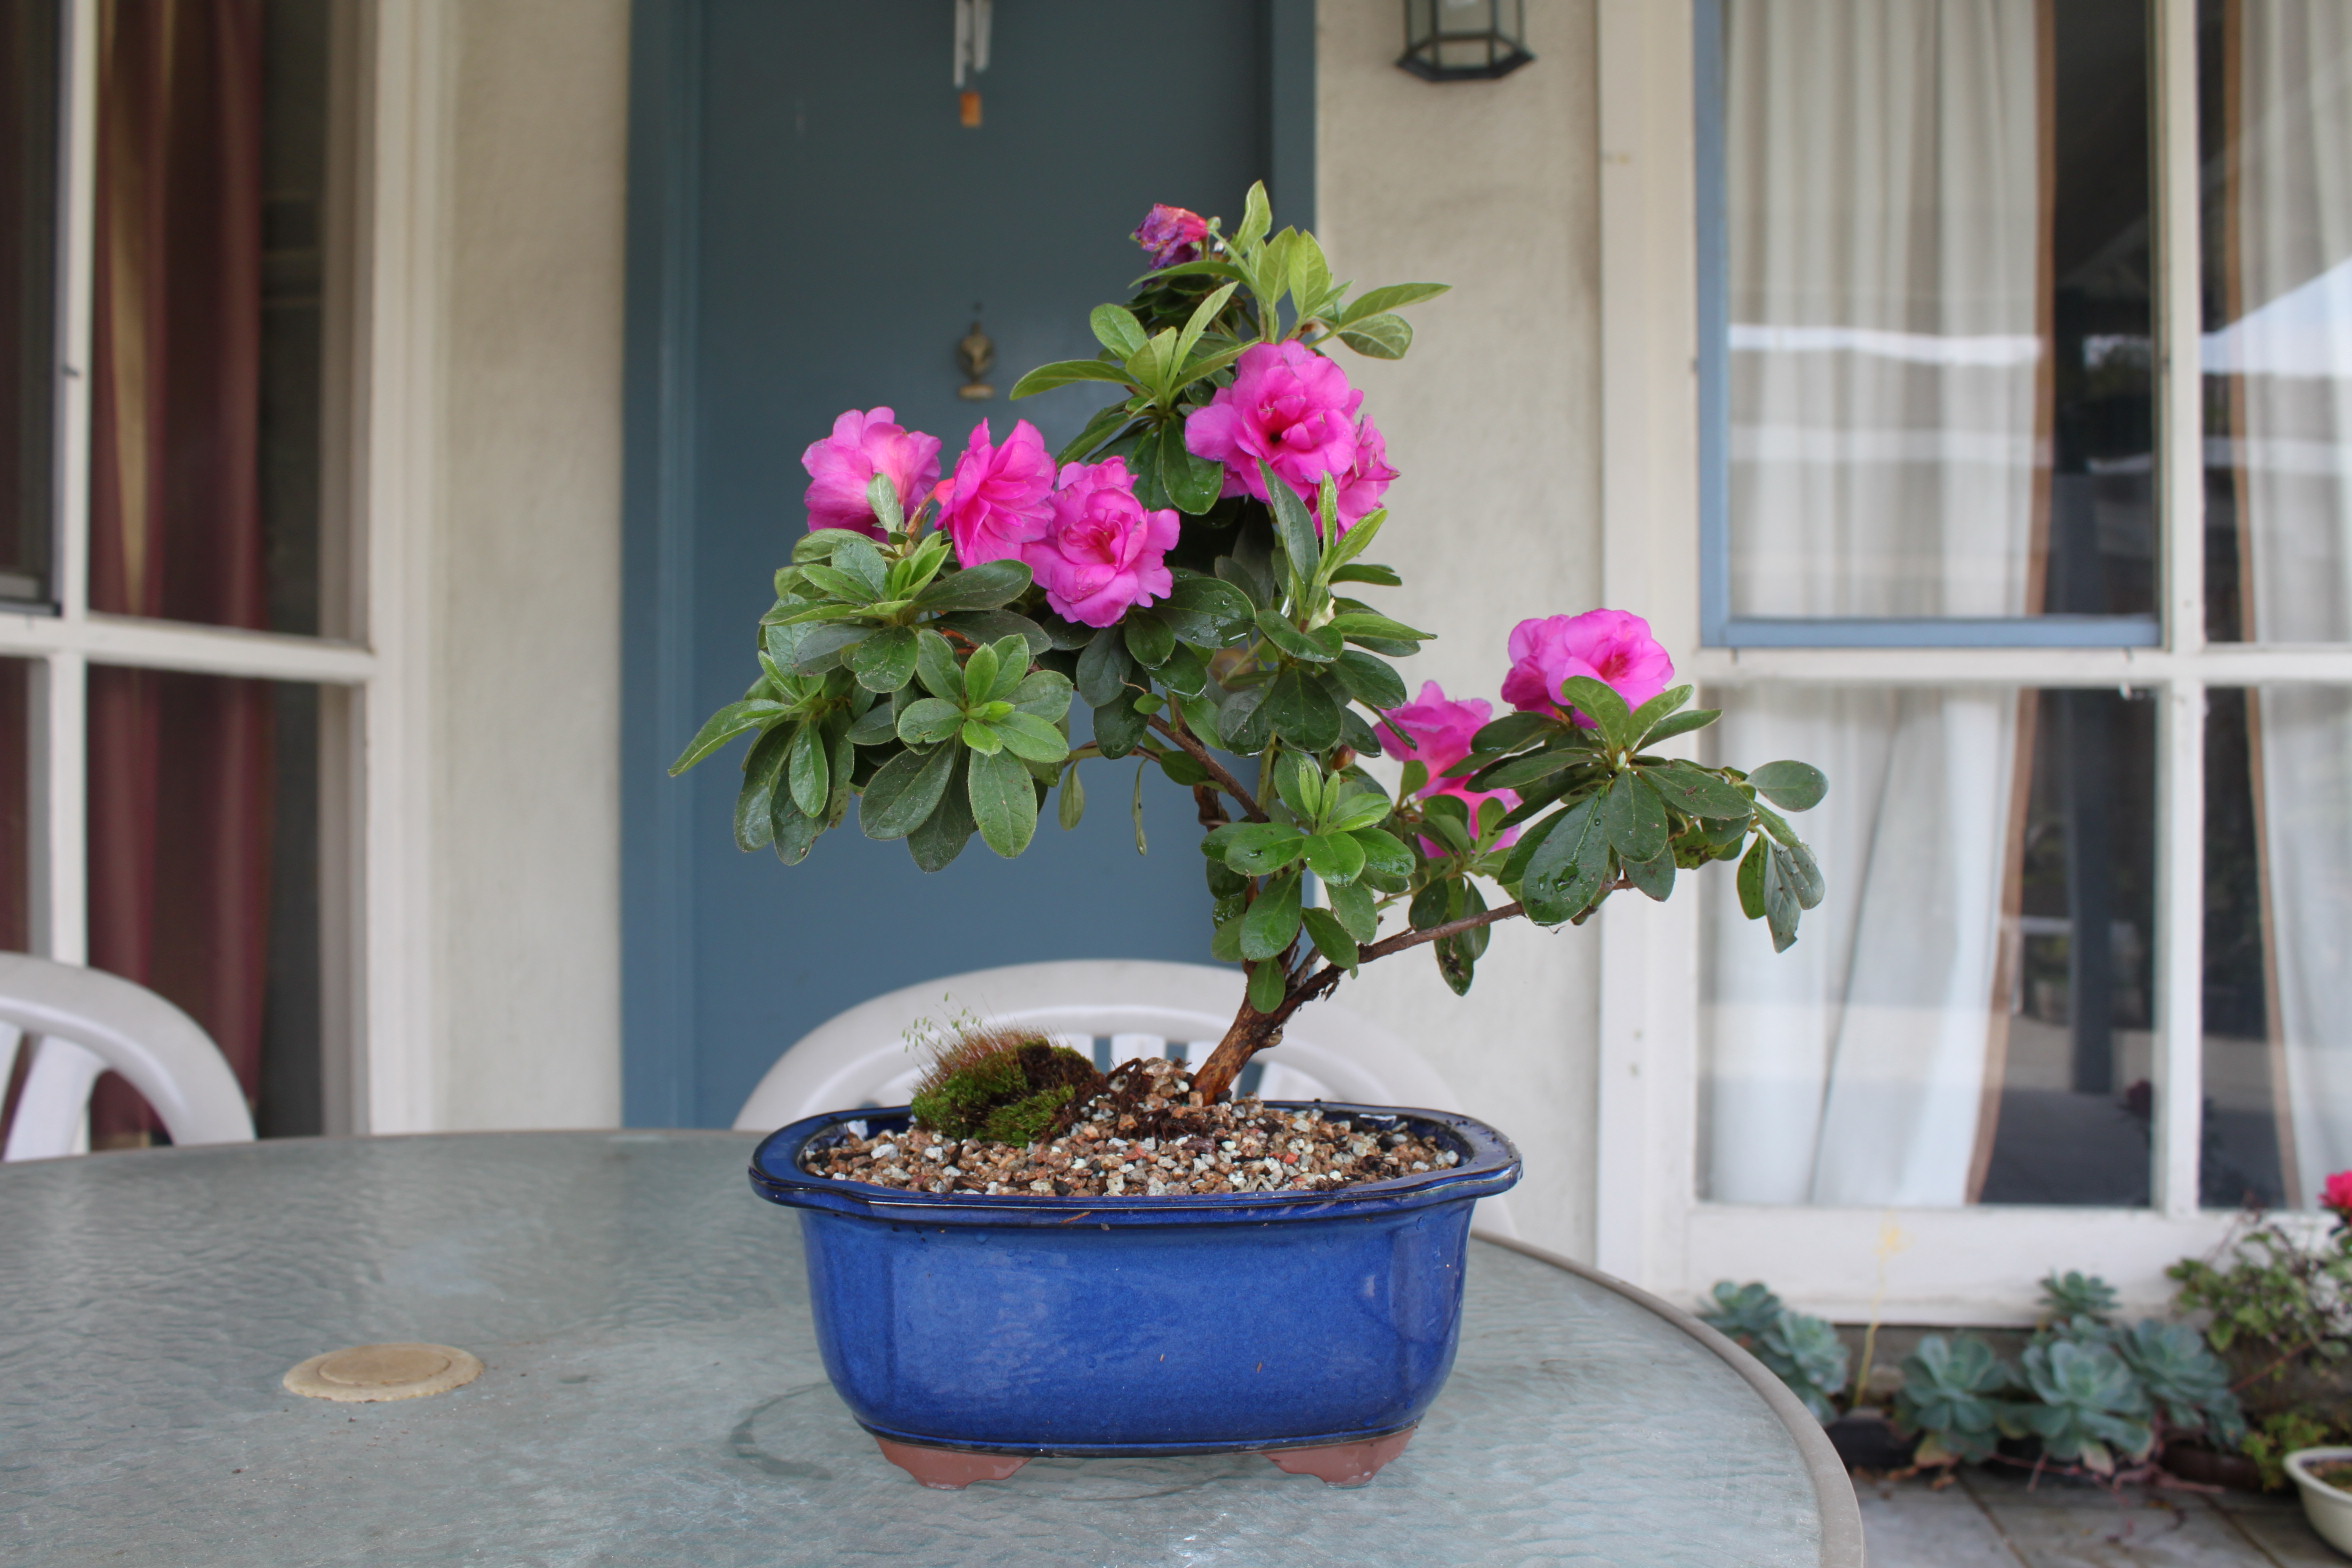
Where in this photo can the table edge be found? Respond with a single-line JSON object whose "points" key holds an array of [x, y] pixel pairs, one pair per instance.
{"points": [[1833, 1490]]}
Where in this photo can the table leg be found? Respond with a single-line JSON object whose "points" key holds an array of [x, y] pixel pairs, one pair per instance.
{"points": [[949, 1469], [1343, 1464]]}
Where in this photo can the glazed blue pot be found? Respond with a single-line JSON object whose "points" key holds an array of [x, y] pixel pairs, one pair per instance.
{"points": [[1137, 1325]]}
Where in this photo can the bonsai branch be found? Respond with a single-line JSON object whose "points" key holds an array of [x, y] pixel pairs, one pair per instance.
{"points": [[1209, 763]]}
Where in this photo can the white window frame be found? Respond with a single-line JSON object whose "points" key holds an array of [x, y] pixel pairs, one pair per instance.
{"points": [[378, 490], [1978, 1264]]}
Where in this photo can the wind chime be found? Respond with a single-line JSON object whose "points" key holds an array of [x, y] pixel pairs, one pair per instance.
{"points": [[971, 55]]}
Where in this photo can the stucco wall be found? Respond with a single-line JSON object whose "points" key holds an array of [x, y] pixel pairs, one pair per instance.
{"points": [[526, 680], [1493, 425]]}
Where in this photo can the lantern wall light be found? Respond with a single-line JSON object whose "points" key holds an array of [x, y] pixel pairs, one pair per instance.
{"points": [[1464, 40]]}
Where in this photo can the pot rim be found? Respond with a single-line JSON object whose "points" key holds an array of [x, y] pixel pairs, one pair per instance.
{"points": [[2297, 1460], [1490, 1164]]}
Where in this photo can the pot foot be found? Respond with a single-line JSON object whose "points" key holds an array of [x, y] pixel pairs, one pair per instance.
{"points": [[948, 1469], [1342, 1464]]}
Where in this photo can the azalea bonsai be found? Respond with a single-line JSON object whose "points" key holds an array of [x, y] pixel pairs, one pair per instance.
{"points": [[1187, 567]]}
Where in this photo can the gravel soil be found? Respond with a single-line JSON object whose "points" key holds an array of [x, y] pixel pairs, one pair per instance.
{"points": [[1147, 1135]]}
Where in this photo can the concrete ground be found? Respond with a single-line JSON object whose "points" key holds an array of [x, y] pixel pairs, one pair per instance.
{"points": [[1994, 1519]]}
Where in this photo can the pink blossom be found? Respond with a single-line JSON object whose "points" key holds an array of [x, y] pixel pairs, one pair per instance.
{"points": [[1611, 646], [1101, 551], [843, 464], [2337, 1194], [1000, 497], [1435, 731], [1366, 480], [1289, 406], [1172, 234]]}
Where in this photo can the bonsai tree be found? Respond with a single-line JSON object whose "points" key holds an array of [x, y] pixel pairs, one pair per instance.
{"points": [[1188, 568]]}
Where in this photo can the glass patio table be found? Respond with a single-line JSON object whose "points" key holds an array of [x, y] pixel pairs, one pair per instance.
{"points": [[653, 1392]]}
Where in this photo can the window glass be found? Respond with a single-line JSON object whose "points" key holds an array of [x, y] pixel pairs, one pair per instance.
{"points": [[1966, 1018], [1936, 358], [2276, 128], [28, 291]]}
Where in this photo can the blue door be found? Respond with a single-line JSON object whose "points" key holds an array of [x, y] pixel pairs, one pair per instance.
{"points": [[813, 228]]}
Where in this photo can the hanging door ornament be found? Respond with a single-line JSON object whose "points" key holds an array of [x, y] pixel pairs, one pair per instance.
{"points": [[971, 54]]}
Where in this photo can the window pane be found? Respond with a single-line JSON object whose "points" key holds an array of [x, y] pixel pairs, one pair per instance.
{"points": [[204, 864], [1966, 1016], [205, 392], [2277, 130], [28, 290], [1939, 379], [2278, 943]]}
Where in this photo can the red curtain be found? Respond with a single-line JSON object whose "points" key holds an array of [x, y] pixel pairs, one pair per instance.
{"points": [[181, 766]]}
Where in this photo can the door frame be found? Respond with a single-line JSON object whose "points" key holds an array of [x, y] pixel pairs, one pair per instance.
{"points": [[658, 706]]}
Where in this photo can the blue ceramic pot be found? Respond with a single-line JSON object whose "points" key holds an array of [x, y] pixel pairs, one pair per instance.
{"points": [[1132, 1325]]}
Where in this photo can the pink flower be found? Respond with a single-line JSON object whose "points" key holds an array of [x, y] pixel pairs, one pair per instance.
{"points": [[1435, 732], [1289, 406], [2337, 1194], [1612, 646], [843, 464], [1101, 552], [1172, 235], [1366, 480], [1000, 497]]}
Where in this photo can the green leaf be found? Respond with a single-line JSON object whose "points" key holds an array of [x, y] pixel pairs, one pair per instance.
{"points": [[1243, 722], [1266, 985], [1135, 810], [1393, 296], [792, 833], [928, 721], [1203, 315], [1044, 693], [1384, 852], [1272, 923], [1375, 337], [984, 587], [840, 584], [903, 792], [1098, 430], [1367, 572], [1192, 482], [1599, 701], [1203, 609], [1116, 329], [877, 726], [1310, 272], [1255, 849], [1068, 372], [1635, 818], [1566, 872], [1362, 624], [884, 661], [1004, 802], [936, 667], [1803, 875], [723, 726], [1512, 731], [1335, 857], [948, 829], [1031, 738], [979, 675], [1353, 905], [995, 625], [1315, 647], [763, 768], [981, 737], [810, 777], [1300, 784], [1012, 667], [822, 648], [1655, 710], [1302, 712], [1292, 525], [1331, 938], [1073, 805], [1697, 793], [1184, 675], [882, 496], [1680, 724], [1148, 638], [1257, 216], [1103, 668], [1368, 809], [1654, 877], [1351, 543], [1751, 880], [1513, 772], [1117, 728], [1794, 786]]}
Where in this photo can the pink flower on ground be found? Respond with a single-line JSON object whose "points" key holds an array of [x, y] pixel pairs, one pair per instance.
{"points": [[1101, 551], [843, 464], [1172, 235], [1435, 731], [1000, 497], [1289, 406], [2337, 1194], [1611, 646], [1366, 480]]}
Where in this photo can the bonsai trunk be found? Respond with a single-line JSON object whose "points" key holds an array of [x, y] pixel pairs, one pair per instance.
{"points": [[1250, 1032]]}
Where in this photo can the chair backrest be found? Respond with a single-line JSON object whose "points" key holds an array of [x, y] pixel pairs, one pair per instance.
{"points": [[1113, 1009], [83, 1023]]}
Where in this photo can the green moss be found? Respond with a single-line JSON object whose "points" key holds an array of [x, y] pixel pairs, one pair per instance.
{"points": [[1009, 1095], [1025, 1121]]}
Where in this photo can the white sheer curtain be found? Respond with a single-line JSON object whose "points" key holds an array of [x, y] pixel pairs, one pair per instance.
{"points": [[1884, 173], [2290, 348]]}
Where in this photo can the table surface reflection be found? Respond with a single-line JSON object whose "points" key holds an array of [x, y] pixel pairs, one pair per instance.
{"points": [[654, 1393]]}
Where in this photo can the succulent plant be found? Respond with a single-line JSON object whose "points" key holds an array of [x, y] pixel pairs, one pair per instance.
{"points": [[1803, 1352], [2187, 1382], [1951, 1395], [2090, 1406], [2075, 1295]]}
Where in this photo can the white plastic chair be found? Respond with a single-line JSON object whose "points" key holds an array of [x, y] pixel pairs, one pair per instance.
{"points": [[83, 1022], [1134, 1007]]}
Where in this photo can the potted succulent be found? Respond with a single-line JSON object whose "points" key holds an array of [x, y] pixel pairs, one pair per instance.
{"points": [[1037, 1260]]}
